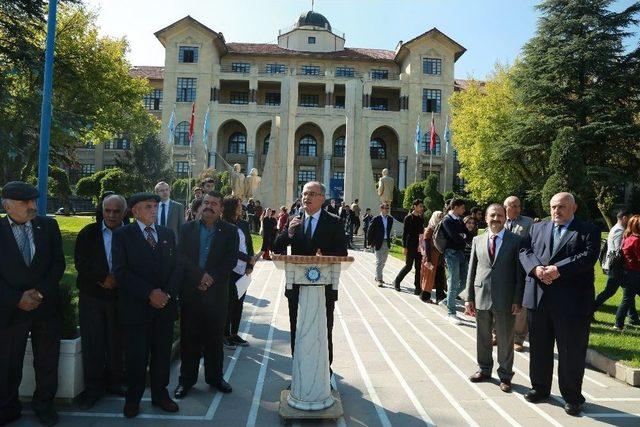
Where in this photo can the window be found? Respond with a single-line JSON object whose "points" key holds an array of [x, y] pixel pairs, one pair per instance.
{"points": [[265, 144], [345, 72], [181, 134], [240, 67], [309, 100], [305, 174], [432, 66], [181, 168], [239, 98], [186, 89], [338, 175], [380, 104], [188, 54], [338, 147], [380, 74], [426, 141], [153, 101], [272, 98], [311, 40], [308, 146], [118, 144], [431, 100], [88, 146], [339, 101], [310, 70], [237, 143], [275, 69], [87, 170], [377, 149]]}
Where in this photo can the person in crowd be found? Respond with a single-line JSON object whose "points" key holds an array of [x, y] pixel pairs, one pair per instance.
{"points": [[355, 208], [379, 237], [454, 255], [148, 275], [283, 217], [99, 205], [198, 193], [432, 267], [268, 231], [472, 231], [413, 227], [615, 275], [170, 212], [333, 208], [295, 208], [312, 231], [258, 212], [197, 196], [251, 212], [631, 274], [495, 285], [102, 356], [520, 225], [348, 219], [31, 266], [208, 185], [232, 212], [208, 253], [558, 258], [195, 212], [477, 213], [366, 223]]}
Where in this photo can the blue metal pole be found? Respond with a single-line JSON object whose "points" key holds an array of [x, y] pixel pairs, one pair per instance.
{"points": [[45, 115]]}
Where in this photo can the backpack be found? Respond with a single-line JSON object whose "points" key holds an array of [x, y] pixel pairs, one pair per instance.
{"points": [[440, 237]]}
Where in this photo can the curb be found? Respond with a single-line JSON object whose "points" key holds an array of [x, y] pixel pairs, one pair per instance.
{"points": [[613, 368]]}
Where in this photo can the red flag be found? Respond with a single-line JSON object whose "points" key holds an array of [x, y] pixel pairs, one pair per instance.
{"points": [[432, 134], [192, 122]]}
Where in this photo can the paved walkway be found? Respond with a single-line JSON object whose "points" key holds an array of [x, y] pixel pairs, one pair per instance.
{"points": [[397, 361]]}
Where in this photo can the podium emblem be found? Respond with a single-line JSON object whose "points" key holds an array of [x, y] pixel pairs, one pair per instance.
{"points": [[312, 274]]}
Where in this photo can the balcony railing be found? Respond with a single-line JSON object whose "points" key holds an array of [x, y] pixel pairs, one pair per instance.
{"points": [[228, 68]]}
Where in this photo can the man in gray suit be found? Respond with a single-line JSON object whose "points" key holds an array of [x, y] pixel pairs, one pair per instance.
{"points": [[170, 212], [495, 287], [520, 225]]}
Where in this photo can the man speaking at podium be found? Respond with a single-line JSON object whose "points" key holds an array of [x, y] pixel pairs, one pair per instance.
{"points": [[314, 231]]}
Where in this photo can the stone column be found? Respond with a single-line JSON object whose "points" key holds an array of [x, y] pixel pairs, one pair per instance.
{"points": [[212, 159], [250, 156], [326, 171], [402, 172]]}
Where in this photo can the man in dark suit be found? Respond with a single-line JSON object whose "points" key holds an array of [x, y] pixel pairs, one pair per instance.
{"points": [[170, 212], [98, 307], [312, 231], [558, 258], [31, 266], [413, 227], [148, 274], [379, 236], [208, 252]]}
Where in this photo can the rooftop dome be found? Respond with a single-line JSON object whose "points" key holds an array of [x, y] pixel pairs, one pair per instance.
{"points": [[313, 18]]}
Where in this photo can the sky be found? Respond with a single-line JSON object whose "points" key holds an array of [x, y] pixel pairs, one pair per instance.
{"points": [[491, 30]]}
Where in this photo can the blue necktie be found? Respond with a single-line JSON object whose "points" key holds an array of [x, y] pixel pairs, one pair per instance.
{"points": [[163, 217], [25, 244], [557, 234]]}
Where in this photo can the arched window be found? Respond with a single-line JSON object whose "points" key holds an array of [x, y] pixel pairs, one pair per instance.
{"points": [[265, 144], [181, 134], [238, 143], [426, 141], [338, 147], [378, 149], [308, 146]]}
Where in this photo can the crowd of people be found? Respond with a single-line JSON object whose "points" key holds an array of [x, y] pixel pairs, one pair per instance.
{"points": [[148, 261]]}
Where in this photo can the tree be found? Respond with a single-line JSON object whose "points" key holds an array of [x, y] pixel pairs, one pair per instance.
{"points": [[414, 191], [91, 186], [180, 188], [433, 199], [58, 186], [146, 163], [120, 182]]}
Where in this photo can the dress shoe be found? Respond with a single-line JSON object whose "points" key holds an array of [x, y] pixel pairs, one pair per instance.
{"points": [[47, 416], [228, 344], [573, 409], [131, 410], [116, 390], [518, 347], [87, 400], [397, 287], [534, 396], [417, 291], [239, 341], [505, 386], [479, 377], [223, 386], [166, 404], [181, 391]]}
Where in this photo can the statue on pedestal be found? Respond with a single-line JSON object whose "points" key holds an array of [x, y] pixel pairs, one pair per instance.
{"points": [[251, 183], [386, 185], [236, 179]]}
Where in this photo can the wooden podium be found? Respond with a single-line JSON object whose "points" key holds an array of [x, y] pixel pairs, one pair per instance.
{"points": [[311, 395]]}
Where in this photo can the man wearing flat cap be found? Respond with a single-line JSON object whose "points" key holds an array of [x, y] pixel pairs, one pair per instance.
{"points": [[148, 275], [31, 266]]}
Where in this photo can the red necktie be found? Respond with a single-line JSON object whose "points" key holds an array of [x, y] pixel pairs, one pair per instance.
{"points": [[150, 239], [492, 247]]}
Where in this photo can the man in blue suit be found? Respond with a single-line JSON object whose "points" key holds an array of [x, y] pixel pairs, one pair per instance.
{"points": [[558, 258]]}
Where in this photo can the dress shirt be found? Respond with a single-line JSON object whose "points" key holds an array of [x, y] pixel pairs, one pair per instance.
{"points": [[144, 232], [107, 235], [166, 211], [314, 223], [499, 238], [206, 237], [564, 228], [28, 228], [385, 220], [241, 266]]}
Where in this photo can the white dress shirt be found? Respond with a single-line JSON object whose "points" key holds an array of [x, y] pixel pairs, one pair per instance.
{"points": [[241, 266], [28, 228], [385, 221], [314, 223], [107, 236]]}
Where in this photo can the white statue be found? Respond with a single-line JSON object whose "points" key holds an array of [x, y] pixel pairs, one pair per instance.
{"points": [[251, 183], [236, 178], [386, 184]]}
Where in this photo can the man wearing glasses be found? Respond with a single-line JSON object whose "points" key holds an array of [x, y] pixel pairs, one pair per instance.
{"points": [[379, 236]]}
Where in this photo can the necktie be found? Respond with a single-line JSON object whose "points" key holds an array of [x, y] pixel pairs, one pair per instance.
{"points": [[309, 231], [163, 216], [510, 225], [492, 247], [150, 239], [24, 243], [557, 233]]}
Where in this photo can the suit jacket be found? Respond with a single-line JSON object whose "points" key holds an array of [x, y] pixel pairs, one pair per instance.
{"points": [[44, 272], [572, 294], [223, 257], [328, 237], [91, 262], [521, 225], [175, 217], [499, 284], [139, 269], [376, 235]]}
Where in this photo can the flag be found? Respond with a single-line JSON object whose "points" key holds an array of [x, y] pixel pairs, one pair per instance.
{"points": [[192, 122], [447, 136], [418, 136], [432, 134], [172, 125], [205, 130]]}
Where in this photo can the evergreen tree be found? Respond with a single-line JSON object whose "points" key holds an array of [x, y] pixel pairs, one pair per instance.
{"points": [[147, 163]]}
